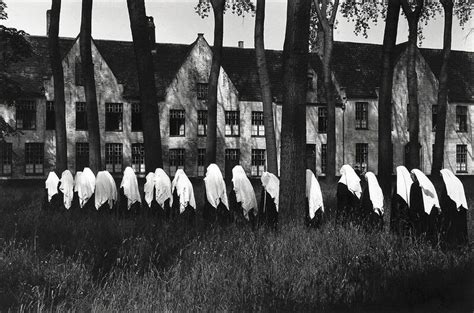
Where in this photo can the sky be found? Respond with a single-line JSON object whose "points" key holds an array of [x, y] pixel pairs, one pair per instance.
{"points": [[177, 22]]}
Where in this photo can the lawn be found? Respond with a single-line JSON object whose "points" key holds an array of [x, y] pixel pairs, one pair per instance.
{"points": [[60, 261]]}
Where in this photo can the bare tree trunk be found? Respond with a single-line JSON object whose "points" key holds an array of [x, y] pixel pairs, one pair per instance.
{"points": [[265, 87], [58, 78], [385, 152], [331, 104], [438, 154], [146, 83], [89, 87], [412, 81], [293, 132], [211, 143]]}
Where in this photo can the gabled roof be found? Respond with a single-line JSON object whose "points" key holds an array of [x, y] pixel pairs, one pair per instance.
{"points": [[356, 67]]}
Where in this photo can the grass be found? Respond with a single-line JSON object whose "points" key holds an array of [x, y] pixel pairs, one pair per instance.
{"points": [[61, 261]]}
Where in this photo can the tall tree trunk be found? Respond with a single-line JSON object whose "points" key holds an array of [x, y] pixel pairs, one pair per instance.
{"points": [[146, 83], [412, 82], [331, 103], [385, 152], [293, 129], [438, 154], [211, 143], [95, 161], [265, 87], [58, 78]]}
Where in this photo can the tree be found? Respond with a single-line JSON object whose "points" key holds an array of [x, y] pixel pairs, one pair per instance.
{"points": [[385, 147], [218, 7], [265, 86], [89, 87], [326, 12], [146, 83], [58, 78], [293, 129]]}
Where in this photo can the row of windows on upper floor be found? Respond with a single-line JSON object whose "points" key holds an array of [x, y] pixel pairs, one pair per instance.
{"points": [[26, 118], [34, 158]]}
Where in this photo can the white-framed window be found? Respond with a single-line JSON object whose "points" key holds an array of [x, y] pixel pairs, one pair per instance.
{"points": [[202, 91], [5, 158], [138, 157], [26, 114], [81, 116], [362, 115], [258, 127], [362, 157], [461, 158], [258, 162], [232, 123], [202, 123], [177, 122], [82, 155], [113, 157], [113, 116], [176, 160], [201, 162], [34, 158]]}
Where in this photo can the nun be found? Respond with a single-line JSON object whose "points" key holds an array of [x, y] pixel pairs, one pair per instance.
{"points": [[149, 193], [348, 196], [454, 209], [399, 218], [75, 198], [163, 194], [67, 188], [372, 204], [183, 201], [105, 192], [314, 201], [268, 211], [130, 200], [216, 204], [53, 197], [424, 209], [85, 189], [242, 198]]}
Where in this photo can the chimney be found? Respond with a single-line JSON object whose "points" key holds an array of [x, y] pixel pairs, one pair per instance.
{"points": [[241, 44], [48, 21], [151, 33]]}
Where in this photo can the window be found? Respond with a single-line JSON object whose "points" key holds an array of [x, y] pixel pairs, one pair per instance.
{"points": [[434, 117], [176, 158], [324, 158], [113, 157], [79, 78], [26, 115], [232, 123], [138, 157], [34, 158], [258, 127], [113, 116], [202, 123], [461, 158], [81, 116], [136, 117], [5, 158], [362, 109], [258, 162], [362, 153], [322, 120], [461, 118], [201, 162], [232, 158], [201, 90], [177, 122], [50, 116], [82, 155]]}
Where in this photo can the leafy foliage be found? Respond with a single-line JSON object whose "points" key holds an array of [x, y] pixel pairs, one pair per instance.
{"points": [[3, 13], [238, 7]]}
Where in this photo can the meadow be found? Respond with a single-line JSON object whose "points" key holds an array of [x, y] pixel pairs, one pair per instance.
{"points": [[70, 261]]}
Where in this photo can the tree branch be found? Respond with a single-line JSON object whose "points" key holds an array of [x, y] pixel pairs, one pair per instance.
{"points": [[334, 12], [322, 19], [406, 9]]}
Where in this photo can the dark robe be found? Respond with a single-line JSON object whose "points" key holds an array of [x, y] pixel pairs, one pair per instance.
{"points": [[317, 220], [348, 205], [399, 219], [123, 210], [188, 215], [238, 212], [368, 218], [56, 204], [268, 213], [454, 221]]}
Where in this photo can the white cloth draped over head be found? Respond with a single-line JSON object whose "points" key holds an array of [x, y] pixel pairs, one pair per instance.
{"points": [[149, 187], [105, 189], [215, 186], [351, 180], [375, 192], [454, 189], [51, 185], [67, 188], [76, 180], [184, 190], [130, 187], [404, 182], [313, 194], [244, 192], [162, 184], [430, 197], [271, 184], [85, 185]]}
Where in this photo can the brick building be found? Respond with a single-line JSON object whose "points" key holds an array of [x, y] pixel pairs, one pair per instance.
{"points": [[181, 73]]}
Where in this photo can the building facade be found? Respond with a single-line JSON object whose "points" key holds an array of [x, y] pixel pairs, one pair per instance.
{"points": [[181, 76]]}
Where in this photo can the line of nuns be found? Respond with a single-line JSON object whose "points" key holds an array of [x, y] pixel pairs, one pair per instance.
{"points": [[415, 204]]}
